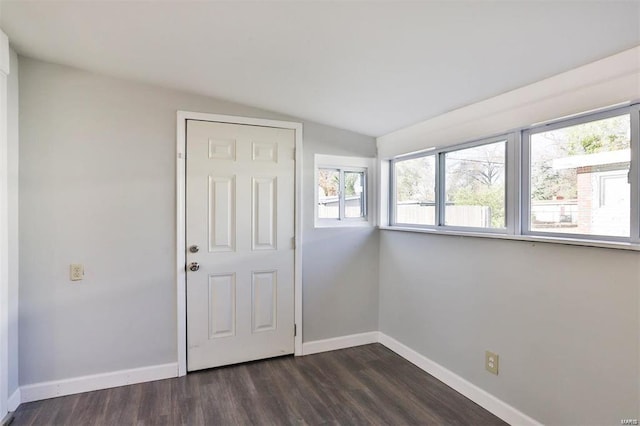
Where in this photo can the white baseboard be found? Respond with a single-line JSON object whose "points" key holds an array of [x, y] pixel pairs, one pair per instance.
{"points": [[14, 400], [45, 390], [341, 342], [481, 397], [74, 385]]}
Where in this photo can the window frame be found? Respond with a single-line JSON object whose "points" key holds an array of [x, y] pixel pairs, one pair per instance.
{"points": [[317, 198], [363, 199], [346, 164], [526, 174], [393, 193], [440, 186], [443, 187]]}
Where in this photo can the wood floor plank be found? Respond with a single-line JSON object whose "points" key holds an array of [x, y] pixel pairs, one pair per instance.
{"points": [[66, 408], [366, 385], [187, 404]]}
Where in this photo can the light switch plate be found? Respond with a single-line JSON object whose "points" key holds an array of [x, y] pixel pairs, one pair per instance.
{"points": [[76, 272]]}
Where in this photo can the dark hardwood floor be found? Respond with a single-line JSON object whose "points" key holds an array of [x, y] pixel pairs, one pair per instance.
{"points": [[363, 385]]}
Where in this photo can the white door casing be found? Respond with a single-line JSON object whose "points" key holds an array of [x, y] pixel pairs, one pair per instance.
{"points": [[242, 199], [4, 228]]}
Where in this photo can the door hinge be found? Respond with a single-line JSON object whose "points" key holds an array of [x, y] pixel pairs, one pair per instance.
{"points": [[293, 243], [295, 330]]}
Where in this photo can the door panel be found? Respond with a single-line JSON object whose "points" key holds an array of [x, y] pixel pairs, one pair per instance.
{"points": [[222, 305], [264, 296], [222, 220], [264, 213], [240, 212], [222, 149]]}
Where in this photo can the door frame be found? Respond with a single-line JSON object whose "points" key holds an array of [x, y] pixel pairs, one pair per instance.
{"points": [[5, 244], [181, 224]]}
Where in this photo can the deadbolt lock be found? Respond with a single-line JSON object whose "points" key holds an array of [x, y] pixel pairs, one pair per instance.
{"points": [[194, 249]]}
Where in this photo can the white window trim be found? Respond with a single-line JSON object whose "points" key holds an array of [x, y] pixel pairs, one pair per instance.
{"points": [[525, 238], [345, 163], [634, 174], [607, 82], [4, 228]]}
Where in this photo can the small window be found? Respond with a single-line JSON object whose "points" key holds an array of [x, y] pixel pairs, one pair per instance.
{"points": [[475, 186], [415, 191], [342, 187], [579, 178]]}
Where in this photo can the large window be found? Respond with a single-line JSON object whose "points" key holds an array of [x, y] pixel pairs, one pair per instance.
{"points": [[579, 178], [573, 178]]}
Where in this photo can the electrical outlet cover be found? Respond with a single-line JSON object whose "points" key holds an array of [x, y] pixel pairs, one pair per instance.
{"points": [[76, 272], [491, 362]]}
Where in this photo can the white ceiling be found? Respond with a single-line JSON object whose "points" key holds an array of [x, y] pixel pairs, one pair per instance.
{"points": [[370, 67]]}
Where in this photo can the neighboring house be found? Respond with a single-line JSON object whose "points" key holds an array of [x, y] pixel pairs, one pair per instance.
{"points": [[603, 195]]}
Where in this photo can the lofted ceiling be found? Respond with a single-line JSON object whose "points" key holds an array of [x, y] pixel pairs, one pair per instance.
{"points": [[370, 67]]}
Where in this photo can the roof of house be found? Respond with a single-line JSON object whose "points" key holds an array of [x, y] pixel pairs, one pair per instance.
{"points": [[597, 159]]}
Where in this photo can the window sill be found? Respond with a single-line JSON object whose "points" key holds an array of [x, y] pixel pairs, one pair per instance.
{"points": [[528, 238], [343, 224]]}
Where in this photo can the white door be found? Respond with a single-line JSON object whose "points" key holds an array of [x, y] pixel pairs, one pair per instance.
{"points": [[240, 216]]}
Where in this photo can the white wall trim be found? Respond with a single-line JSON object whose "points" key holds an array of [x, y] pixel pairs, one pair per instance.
{"points": [[499, 408], [15, 400], [45, 390], [5, 54], [341, 342], [481, 397], [181, 276], [607, 82], [4, 228]]}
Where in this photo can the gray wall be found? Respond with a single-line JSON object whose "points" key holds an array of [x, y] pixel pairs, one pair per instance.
{"points": [[564, 320], [97, 186], [340, 272], [12, 171]]}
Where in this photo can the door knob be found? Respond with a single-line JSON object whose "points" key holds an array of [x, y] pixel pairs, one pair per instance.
{"points": [[194, 249], [193, 266]]}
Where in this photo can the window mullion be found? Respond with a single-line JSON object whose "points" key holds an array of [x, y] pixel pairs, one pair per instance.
{"points": [[513, 184], [393, 196], [363, 195], [525, 182], [440, 190], [634, 175], [341, 201]]}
